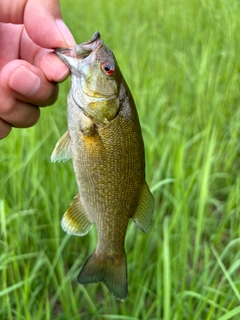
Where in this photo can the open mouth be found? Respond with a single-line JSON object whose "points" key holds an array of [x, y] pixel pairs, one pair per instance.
{"points": [[75, 52], [66, 51], [81, 51]]}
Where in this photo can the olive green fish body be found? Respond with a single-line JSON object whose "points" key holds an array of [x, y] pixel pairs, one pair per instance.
{"points": [[105, 143]]}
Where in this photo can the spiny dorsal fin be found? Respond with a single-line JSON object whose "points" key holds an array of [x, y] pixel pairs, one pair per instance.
{"points": [[145, 208], [62, 150], [76, 220]]}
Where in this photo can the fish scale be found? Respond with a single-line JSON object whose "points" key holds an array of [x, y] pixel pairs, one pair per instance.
{"points": [[105, 143]]}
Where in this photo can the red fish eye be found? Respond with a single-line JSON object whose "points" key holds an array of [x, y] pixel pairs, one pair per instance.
{"points": [[108, 68]]}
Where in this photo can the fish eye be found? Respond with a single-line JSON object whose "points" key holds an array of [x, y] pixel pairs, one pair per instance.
{"points": [[108, 68]]}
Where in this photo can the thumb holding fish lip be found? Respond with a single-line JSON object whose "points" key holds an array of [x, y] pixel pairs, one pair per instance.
{"points": [[44, 24], [42, 20]]}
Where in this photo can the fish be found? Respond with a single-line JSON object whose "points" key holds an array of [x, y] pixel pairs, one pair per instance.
{"points": [[104, 141]]}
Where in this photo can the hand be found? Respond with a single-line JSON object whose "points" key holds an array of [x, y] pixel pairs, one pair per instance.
{"points": [[29, 70]]}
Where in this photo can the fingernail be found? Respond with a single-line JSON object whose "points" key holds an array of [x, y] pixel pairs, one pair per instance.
{"points": [[68, 37], [24, 81]]}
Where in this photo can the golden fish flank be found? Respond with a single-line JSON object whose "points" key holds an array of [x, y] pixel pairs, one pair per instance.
{"points": [[105, 143]]}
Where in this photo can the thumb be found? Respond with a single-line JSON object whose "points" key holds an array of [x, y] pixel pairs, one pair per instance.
{"points": [[44, 24]]}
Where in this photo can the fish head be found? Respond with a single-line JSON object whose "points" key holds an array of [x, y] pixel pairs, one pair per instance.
{"points": [[95, 78]]}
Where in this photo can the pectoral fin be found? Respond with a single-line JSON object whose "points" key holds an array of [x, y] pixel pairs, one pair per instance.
{"points": [[62, 150], [144, 212], [76, 220]]}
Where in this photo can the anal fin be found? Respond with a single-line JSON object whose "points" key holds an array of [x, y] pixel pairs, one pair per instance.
{"points": [[76, 220], [145, 208]]}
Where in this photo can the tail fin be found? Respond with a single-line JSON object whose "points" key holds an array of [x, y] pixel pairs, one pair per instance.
{"points": [[111, 271]]}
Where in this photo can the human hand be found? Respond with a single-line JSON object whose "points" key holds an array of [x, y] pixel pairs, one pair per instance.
{"points": [[29, 70]]}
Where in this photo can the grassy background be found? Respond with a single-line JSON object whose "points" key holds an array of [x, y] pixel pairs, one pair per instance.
{"points": [[181, 61]]}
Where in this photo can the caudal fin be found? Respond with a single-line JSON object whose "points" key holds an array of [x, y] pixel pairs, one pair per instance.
{"points": [[112, 272]]}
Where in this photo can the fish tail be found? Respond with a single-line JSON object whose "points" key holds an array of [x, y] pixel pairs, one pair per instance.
{"points": [[111, 270]]}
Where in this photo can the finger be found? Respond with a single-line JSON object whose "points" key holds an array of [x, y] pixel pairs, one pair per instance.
{"points": [[53, 68], [21, 46], [5, 128], [41, 18], [10, 36], [17, 113], [27, 83], [45, 59], [12, 13]]}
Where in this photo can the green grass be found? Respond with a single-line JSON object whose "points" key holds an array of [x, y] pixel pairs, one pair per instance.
{"points": [[181, 61]]}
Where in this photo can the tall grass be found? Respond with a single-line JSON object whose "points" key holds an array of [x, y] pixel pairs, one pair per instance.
{"points": [[180, 59]]}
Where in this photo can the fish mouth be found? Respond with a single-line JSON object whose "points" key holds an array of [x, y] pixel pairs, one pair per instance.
{"points": [[65, 51], [80, 51]]}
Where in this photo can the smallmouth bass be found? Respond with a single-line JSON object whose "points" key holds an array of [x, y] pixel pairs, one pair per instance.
{"points": [[105, 143]]}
